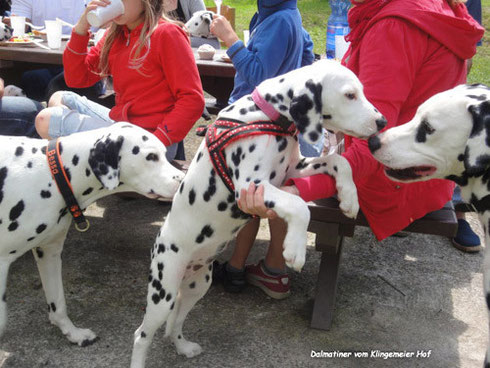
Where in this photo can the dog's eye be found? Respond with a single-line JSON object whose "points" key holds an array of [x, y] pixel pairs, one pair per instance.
{"points": [[350, 96]]}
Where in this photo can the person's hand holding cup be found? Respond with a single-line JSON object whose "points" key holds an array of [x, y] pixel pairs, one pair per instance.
{"points": [[82, 27], [103, 14]]}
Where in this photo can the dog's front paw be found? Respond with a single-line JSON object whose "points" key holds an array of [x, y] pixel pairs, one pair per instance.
{"points": [[188, 348], [349, 203], [295, 256], [82, 337]]}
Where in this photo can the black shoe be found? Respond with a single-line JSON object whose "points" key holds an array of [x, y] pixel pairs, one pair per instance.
{"points": [[233, 282]]}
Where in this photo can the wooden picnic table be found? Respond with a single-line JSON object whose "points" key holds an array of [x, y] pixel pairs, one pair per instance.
{"points": [[217, 76]]}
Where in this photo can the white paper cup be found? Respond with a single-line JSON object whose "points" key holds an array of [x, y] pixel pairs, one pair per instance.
{"points": [[53, 33], [102, 14], [246, 36], [18, 24]]}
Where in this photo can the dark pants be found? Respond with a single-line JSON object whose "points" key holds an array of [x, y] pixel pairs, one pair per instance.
{"points": [[17, 116], [40, 84]]}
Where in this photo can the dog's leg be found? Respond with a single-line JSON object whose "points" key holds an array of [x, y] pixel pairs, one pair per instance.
{"points": [[4, 270], [49, 265], [294, 211], [192, 289], [486, 276], [166, 272], [338, 167]]}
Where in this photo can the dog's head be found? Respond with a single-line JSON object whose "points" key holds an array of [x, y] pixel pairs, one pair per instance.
{"points": [[199, 24], [5, 32], [127, 154], [449, 137], [12, 90], [323, 95]]}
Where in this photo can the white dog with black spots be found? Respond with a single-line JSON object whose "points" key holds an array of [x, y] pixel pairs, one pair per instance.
{"points": [[205, 216], [34, 215], [449, 138]]}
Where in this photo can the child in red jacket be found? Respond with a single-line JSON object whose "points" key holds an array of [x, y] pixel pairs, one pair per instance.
{"points": [[154, 73]]}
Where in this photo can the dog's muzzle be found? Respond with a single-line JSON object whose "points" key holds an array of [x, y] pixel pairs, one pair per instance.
{"points": [[381, 123]]}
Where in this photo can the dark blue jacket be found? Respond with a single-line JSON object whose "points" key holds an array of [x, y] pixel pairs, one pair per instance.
{"points": [[278, 44]]}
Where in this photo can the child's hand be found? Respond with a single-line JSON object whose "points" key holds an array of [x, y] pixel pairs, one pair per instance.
{"points": [[82, 27], [222, 29]]}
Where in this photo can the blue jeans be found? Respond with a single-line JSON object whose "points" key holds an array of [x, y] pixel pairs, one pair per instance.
{"points": [[17, 116]]}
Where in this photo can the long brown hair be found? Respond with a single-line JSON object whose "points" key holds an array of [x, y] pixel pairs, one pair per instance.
{"points": [[153, 12]]}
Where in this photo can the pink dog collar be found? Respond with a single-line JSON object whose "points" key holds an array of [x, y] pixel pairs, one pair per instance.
{"points": [[265, 106]]}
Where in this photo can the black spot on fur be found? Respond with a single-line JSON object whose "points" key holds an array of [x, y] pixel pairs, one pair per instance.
{"points": [[299, 108], [13, 226], [156, 298], [29, 165], [313, 136], [105, 154], [423, 130], [281, 80], [145, 138], [272, 175], [243, 111], [192, 197], [75, 160], [43, 150], [39, 252], [207, 278], [19, 151], [68, 174], [237, 173], [45, 194], [31, 238], [181, 189], [4, 297], [256, 167], [12, 252], [301, 165], [161, 248], [87, 172], [152, 157], [316, 166], [222, 206], [192, 285], [17, 210], [269, 204], [169, 296], [34, 150], [231, 107], [174, 248], [88, 191], [53, 307], [199, 155], [461, 157], [283, 143], [316, 90], [143, 335], [206, 232], [251, 148], [41, 228], [136, 150], [235, 156]]}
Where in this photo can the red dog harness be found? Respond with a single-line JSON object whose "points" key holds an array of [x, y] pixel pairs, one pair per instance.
{"points": [[223, 132]]}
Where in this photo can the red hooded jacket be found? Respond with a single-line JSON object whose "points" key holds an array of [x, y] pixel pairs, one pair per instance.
{"points": [[403, 51], [164, 96]]}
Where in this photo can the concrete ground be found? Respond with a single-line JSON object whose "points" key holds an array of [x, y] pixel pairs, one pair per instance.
{"points": [[417, 295]]}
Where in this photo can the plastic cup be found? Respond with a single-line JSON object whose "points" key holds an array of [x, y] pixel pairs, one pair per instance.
{"points": [[246, 36], [53, 33], [18, 24], [103, 14]]}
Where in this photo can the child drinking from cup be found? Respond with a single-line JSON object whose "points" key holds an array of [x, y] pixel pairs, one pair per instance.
{"points": [[154, 73]]}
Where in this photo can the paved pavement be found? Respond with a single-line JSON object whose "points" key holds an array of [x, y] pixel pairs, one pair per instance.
{"points": [[414, 294]]}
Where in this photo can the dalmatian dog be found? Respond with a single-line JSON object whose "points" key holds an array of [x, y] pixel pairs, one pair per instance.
{"points": [[13, 91], [205, 216], [198, 25], [5, 32], [34, 216], [449, 138]]}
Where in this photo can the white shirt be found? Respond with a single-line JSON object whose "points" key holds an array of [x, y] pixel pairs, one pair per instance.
{"points": [[40, 10]]}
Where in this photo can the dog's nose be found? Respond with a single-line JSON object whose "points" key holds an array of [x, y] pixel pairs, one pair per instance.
{"points": [[381, 123], [374, 143]]}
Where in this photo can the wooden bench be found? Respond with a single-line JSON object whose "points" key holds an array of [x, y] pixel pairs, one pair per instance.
{"points": [[331, 226]]}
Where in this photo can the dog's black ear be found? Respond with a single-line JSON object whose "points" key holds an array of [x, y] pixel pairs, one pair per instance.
{"points": [[306, 110], [104, 160], [477, 151]]}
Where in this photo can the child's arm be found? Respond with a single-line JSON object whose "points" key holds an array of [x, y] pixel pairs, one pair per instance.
{"points": [[179, 65], [82, 67]]}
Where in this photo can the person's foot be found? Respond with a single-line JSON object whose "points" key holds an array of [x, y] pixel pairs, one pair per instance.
{"points": [[466, 239], [233, 280], [276, 286]]}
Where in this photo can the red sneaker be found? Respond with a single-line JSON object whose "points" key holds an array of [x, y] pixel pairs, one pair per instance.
{"points": [[276, 287]]}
